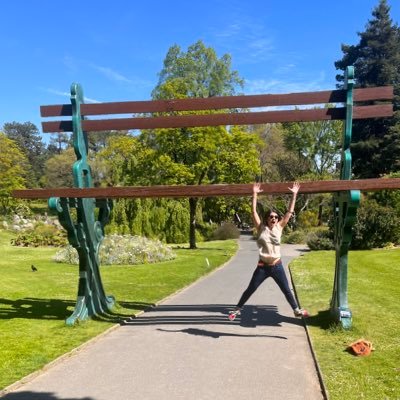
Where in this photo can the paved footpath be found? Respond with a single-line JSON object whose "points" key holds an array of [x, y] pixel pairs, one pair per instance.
{"points": [[186, 348]]}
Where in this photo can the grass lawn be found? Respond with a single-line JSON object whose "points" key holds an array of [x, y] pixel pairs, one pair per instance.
{"points": [[374, 294], [34, 305]]}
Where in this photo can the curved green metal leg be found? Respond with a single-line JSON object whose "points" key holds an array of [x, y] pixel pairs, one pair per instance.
{"points": [[345, 212], [346, 205], [85, 231]]}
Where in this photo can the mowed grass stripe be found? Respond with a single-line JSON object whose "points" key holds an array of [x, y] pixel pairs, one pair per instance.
{"points": [[374, 293]]}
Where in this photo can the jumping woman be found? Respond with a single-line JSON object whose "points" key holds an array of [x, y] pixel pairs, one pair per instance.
{"points": [[269, 234]]}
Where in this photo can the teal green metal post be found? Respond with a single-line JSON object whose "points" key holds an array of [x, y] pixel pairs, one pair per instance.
{"points": [[85, 231], [345, 212]]}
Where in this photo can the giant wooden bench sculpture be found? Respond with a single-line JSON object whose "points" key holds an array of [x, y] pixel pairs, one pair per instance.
{"points": [[86, 232]]}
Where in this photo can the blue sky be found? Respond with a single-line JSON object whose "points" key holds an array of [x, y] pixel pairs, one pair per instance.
{"points": [[115, 49]]}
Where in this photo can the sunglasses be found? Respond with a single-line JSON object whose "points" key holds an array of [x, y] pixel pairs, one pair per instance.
{"points": [[273, 217]]}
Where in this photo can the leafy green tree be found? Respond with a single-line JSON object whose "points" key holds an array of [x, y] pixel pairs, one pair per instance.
{"points": [[125, 161], [27, 136], [376, 58], [197, 155], [58, 170], [196, 73], [271, 136], [200, 156], [13, 170], [181, 156], [278, 163], [237, 162], [154, 158], [120, 160], [317, 145], [98, 140]]}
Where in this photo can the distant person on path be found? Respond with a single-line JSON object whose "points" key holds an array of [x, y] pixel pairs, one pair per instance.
{"points": [[269, 234]]}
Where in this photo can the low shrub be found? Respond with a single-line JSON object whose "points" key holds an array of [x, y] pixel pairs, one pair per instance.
{"points": [[22, 209], [376, 226], [123, 249], [320, 240], [206, 230], [226, 231], [307, 219], [41, 235], [295, 237]]}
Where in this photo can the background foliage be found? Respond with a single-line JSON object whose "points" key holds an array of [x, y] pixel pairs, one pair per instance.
{"points": [[266, 153]]}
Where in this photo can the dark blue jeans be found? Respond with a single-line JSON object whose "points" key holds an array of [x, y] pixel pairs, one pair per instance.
{"points": [[261, 273]]}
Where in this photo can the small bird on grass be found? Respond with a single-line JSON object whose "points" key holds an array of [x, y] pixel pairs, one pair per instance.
{"points": [[33, 268]]}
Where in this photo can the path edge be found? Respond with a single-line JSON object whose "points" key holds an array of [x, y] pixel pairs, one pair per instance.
{"points": [[324, 390]]}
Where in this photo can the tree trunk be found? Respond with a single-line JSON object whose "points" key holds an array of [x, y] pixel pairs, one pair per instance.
{"points": [[192, 230], [320, 214]]}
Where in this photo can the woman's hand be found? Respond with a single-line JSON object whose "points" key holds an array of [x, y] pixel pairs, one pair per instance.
{"points": [[257, 188], [295, 188]]}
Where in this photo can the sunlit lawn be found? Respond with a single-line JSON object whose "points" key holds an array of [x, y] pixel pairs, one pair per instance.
{"points": [[374, 294], [34, 305]]}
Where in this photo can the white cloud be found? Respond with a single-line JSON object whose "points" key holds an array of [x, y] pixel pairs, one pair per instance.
{"points": [[246, 38], [67, 94], [111, 74], [261, 48], [89, 100], [258, 86], [57, 92], [284, 69], [229, 31], [115, 76]]}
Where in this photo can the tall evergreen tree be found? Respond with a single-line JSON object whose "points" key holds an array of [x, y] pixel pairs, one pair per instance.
{"points": [[376, 58], [59, 141]]}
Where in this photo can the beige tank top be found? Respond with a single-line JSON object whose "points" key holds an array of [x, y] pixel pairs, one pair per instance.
{"points": [[269, 243]]}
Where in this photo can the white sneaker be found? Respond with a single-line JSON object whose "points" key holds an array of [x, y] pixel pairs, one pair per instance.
{"points": [[233, 314], [299, 312]]}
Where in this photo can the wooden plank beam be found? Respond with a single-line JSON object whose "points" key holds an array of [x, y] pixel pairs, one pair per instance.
{"points": [[208, 190], [214, 103], [245, 118]]}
